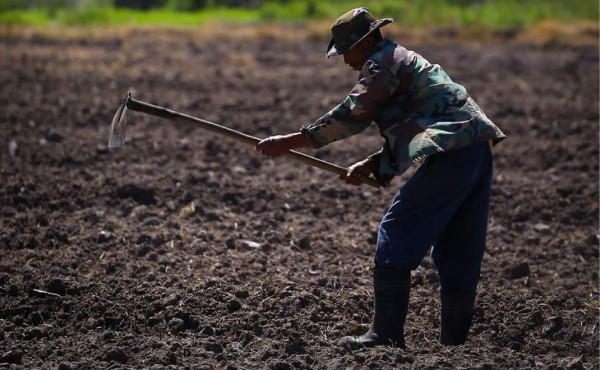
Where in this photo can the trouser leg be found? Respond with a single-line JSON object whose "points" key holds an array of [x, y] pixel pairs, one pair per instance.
{"points": [[458, 255]]}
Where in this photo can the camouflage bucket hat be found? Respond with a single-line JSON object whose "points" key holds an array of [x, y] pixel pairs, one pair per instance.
{"points": [[349, 29]]}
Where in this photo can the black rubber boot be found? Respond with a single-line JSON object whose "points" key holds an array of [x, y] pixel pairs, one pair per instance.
{"points": [[457, 315], [392, 287]]}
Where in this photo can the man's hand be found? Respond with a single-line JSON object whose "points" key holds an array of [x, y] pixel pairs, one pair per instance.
{"points": [[278, 145], [358, 172]]}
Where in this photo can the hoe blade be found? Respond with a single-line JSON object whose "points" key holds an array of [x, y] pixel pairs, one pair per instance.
{"points": [[118, 127]]}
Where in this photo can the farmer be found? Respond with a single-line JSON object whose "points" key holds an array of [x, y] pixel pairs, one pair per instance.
{"points": [[423, 116]]}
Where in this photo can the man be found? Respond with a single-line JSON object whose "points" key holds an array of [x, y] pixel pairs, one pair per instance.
{"points": [[423, 116]]}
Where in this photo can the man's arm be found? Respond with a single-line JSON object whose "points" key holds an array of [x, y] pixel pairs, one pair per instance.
{"points": [[361, 107], [278, 145]]}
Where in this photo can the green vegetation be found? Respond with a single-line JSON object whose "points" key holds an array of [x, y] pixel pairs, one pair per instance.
{"points": [[494, 13], [101, 16]]}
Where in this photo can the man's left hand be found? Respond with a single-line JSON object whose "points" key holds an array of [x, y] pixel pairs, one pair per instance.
{"points": [[358, 172]]}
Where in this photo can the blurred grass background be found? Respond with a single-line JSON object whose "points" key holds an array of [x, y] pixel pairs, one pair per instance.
{"points": [[499, 14]]}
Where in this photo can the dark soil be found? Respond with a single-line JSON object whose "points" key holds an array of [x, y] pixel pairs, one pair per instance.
{"points": [[183, 249]]}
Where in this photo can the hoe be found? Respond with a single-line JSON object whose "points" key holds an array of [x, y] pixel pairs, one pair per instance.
{"points": [[118, 127]]}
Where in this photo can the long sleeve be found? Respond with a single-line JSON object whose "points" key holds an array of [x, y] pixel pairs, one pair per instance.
{"points": [[362, 105]]}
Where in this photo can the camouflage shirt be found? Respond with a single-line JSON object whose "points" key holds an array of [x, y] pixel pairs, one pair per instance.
{"points": [[419, 111]]}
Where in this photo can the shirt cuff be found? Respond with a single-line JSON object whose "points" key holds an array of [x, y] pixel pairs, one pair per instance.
{"points": [[311, 139]]}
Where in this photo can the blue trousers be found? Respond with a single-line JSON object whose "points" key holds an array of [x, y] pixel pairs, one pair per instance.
{"points": [[444, 205]]}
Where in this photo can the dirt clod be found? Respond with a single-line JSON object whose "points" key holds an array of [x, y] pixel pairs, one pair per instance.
{"points": [[53, 136], [116, 355], [553, 326], [140, 194], [57, 286], [518, 271], [213, 347], [234, 305], [11, 357]]}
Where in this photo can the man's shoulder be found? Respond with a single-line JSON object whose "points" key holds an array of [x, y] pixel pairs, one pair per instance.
{"points": [[391, 54]]}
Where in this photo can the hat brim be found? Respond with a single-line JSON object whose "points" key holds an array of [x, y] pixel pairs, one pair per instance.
{"points": [[333, 51]]}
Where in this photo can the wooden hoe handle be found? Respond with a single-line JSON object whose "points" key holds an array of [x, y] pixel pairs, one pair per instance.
{"points": [[140, 106]]}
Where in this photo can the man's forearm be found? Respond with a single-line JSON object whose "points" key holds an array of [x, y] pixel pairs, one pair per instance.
{"points": [[297, 140], [277, 145]]}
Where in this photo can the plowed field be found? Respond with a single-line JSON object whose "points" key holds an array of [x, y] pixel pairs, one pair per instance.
{"points": [[184, 249]]}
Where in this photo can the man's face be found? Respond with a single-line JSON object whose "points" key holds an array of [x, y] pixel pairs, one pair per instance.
{"points": [[356, 56]]}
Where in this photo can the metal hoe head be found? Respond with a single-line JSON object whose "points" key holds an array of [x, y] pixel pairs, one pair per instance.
{"points": [[118, 127]]}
